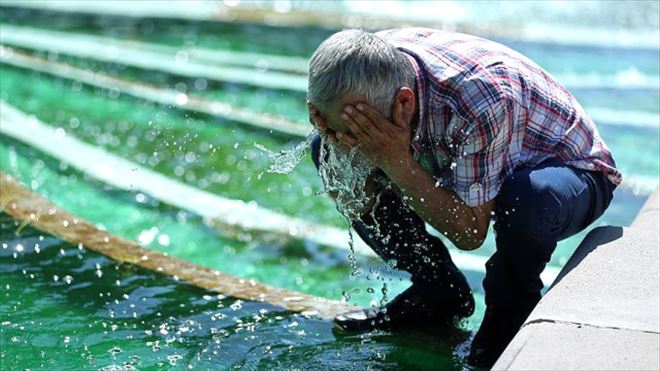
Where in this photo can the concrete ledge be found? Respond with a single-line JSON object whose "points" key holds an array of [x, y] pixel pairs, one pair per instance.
{"points": [[603, 310], [616, 283], [569, 346]]}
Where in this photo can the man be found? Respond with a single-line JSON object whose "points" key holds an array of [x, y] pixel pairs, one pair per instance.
{"points": [[461, 130]]}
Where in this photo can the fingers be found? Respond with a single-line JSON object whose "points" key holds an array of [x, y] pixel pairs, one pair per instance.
{"points": [[358, 130], [347, 139], [370, 113], [360, 124], [380, 122]]}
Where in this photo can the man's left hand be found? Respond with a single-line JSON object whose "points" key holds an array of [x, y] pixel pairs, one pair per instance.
{"points": [[386, 143]]}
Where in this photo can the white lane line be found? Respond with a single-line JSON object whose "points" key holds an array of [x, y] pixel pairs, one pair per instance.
{"points": [[602, 116], [155, 94], [264, 64], [233, 215], [230, 216], [608, 116], [139, 55]]}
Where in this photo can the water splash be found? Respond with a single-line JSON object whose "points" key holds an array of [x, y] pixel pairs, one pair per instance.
{"points": [[352, 257], [344, 173], [285, 161]]}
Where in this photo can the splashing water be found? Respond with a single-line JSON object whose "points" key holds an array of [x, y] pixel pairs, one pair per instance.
{"points": [[344, 173], [285, 161]]}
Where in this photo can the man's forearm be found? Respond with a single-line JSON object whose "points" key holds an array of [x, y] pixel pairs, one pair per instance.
{"points": [[386, 143], [441, 208]]}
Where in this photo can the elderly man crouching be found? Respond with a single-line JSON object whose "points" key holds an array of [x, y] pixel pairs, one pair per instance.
{"points": [[459, 130]]}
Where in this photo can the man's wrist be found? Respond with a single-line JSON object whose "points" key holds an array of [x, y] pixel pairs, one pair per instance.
{"points": [[402, 169]]}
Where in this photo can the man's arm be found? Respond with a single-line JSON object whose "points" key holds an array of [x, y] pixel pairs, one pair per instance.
{"points": [[465, 226], [386, 144]]}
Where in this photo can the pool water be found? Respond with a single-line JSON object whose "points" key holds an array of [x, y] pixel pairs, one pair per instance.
{"points": [[219, 156], [64, 307]]}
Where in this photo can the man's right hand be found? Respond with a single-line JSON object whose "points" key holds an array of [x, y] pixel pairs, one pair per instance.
{"points": [[371, 187]]}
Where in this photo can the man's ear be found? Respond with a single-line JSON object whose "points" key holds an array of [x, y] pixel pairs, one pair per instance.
{"points": [[405, 96]]}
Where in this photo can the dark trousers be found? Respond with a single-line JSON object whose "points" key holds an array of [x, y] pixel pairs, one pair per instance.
{"points": [[535, 208]]}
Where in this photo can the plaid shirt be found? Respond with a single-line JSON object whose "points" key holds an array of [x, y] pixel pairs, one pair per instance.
{"points": [[486, 110]]}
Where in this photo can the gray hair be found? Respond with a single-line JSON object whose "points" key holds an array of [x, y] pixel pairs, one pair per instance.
{"points": [[358, 62]]}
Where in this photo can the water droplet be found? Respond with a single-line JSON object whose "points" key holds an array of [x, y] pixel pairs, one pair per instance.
{"points": [[173, 359], [140, 198], [164, 240], [60, 133], [181, 99], [114, 351], [181, 56]]}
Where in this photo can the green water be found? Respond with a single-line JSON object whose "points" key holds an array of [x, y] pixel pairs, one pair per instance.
{"points": [[310, 268], [64, 307], [39, 313]]}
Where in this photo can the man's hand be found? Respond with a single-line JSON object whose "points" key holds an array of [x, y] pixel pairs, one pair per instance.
{"points": [[385, 143]]}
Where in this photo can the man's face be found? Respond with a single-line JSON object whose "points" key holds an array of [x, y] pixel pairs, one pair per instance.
{"points": [[332, 114]]}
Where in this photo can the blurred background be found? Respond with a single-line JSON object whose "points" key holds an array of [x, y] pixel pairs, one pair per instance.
{"points": [[186, 89]]}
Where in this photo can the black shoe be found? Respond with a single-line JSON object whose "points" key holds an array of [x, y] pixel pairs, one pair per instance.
{"points": [[495, 333], [418, 306]]}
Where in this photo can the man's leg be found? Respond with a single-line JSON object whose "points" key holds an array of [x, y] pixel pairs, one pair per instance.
{"points": [[535, 208], [396, 233]]}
